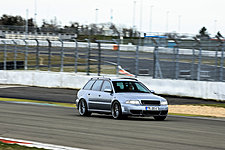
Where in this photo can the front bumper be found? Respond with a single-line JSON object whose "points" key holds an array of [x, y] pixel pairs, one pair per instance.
{"points": [[140, 110]]}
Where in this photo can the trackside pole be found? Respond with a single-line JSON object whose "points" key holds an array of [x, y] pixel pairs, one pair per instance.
{"points": [[193, 62], [88, 57], [76, 56], [37, 55], [118, 57], [99, 58], [199, 59], [5, 55], [61, 56], [137, 58], [221, 61], [15, 55], [177, 66], [25, 55], [49, 54]]}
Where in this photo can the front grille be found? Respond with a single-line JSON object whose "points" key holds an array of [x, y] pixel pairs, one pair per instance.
{"points": [[136, 111], [149, 102], [151, 112], [164, 112]]}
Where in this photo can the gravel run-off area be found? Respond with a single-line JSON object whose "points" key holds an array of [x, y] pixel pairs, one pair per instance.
{"points": [[197, 110]]}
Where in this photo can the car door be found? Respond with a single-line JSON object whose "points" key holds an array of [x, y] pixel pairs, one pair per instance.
{"points": [[94, 96], [86, 92], [106, 96]]}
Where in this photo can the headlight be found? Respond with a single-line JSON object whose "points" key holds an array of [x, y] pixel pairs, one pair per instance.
{"points": [[132, 102], [164, 102]]}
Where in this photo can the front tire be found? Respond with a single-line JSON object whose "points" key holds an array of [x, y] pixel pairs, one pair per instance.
{"points": [[160, 118], [82, 108], [116, 110]]}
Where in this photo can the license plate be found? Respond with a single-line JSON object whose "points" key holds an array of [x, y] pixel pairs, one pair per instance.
{"points": [[152, 108]]}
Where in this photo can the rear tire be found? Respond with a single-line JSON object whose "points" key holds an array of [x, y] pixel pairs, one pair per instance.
{"points": [[82, 108], [116, 110], [160, 118]]}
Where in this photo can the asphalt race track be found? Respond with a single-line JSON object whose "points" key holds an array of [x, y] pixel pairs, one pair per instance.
{"points": [[69, 95], [63, 126]]}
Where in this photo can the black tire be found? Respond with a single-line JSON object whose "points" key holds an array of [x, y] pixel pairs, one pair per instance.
{"points": [[116, 110], [82, 108], [160, 118]]}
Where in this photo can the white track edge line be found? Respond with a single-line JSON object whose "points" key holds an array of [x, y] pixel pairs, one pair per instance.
{"points": [[41, 145]]}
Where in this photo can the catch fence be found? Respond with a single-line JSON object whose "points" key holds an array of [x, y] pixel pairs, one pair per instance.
{"points": [[158, 58]]}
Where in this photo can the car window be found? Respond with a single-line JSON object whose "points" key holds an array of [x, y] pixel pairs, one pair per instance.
{"points": [[97, 85], [140, 87], [89, 85], [106, 85], [129, 86]]}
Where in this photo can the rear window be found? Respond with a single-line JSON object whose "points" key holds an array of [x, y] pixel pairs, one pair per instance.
{"points": [[89, 85], [97, 85], [106, 85]]}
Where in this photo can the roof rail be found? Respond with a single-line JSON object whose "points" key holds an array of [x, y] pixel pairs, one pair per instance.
{"points": [[130, 79], [100, 78]]}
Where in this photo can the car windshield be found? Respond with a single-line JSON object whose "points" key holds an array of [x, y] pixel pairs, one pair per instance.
{"points": [[129, 86]]}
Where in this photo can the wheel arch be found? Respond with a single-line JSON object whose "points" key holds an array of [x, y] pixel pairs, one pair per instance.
{"points": [[80, 100], [115, 100]]}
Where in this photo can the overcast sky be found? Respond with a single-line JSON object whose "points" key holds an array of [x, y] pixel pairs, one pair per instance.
{"points": [[185, 16]]}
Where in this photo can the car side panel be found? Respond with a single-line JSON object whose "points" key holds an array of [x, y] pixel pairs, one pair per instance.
{"points": [[100, 101]]}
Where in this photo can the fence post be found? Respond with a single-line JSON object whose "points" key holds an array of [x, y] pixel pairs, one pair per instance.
{"points": [[15, 55], [221, 61], [193, 62], [5, 56], [25, 55], [88, 57], [99, 58], [216, 60], [199, 59], [137, 58], [154, 60], [118, 57], [76, 56], [177, 66], [156, 65], [49, 54], [61, 56], [37, 55]]}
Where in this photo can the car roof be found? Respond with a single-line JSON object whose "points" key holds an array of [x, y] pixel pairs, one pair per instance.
{"points": [[115, 79]]}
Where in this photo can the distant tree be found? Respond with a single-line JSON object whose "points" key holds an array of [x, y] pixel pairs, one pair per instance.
{"points": [[31, 22], [219, 34], [125, 31], [12, 20], [115, 30], [74, 27], [52, 24], [93, 29], [203, 32]]}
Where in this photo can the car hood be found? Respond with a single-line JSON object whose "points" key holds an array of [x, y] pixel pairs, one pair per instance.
{"points": [[138, 96]]}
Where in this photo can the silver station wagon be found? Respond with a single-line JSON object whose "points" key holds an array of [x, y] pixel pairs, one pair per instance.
{"points": [[120, 97]]}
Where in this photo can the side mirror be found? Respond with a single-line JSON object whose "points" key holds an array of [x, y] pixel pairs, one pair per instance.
{"points": [[152, 91], [108, 90]]}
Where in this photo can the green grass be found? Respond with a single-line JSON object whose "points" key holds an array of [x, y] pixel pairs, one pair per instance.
{"points": [[56, 60], [5, 146]]}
